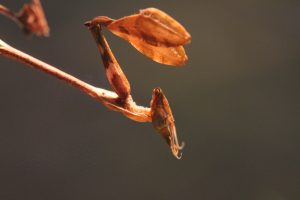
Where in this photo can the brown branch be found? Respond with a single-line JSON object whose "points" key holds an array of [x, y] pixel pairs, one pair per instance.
{"points": [[108, 98]]}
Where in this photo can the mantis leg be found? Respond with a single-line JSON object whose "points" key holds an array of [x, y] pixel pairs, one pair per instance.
{"points": [[114, 73]]}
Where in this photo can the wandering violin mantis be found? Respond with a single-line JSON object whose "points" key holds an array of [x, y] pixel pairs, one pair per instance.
{"points": [[151, 31], [159, 37]]}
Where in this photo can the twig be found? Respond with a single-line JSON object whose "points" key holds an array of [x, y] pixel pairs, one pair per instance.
{"points": [[108, 98]]}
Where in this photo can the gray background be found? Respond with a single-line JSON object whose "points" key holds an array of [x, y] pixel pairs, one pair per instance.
{"points": [[236, 104]]}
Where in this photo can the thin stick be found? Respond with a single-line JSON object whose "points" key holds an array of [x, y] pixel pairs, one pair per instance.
{"points": [[8, 13], [108, 98]]}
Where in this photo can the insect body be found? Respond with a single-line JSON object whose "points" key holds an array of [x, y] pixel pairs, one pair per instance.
{"points": [[114, 73], [159, 37], [163, 121], [153, 33]]}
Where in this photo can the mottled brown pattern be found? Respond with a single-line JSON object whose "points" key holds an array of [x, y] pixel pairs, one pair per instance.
{"points": [[159, 37], [155, 34], [33, 19], [117, 84], [163, 121], [124, 30], [114, 73], [142, 31]]}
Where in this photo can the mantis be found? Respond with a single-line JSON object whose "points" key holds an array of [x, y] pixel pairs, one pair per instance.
{"points": [[151, 31], [159, 37]]}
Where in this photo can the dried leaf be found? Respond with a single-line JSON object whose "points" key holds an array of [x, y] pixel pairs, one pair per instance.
{"points": [[174, 56], [114, 73], [155, 34], [33, 19], [152, 26], [163, 121]]}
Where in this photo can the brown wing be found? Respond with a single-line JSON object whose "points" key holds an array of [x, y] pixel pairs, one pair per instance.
{"points": [[157, 26], [125, 27], [152, 26], [174, 56], [155, 34]]}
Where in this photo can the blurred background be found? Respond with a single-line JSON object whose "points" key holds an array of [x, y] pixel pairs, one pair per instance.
{"points": [[236, 105]]}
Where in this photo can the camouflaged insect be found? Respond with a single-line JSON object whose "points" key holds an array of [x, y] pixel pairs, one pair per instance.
{"points": [[153, 33], [163, 121], [159, 37]]}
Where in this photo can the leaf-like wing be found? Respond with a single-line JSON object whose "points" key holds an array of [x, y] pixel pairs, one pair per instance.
{"points": [[174, 56], [153, 26], [161, 28], [155, 34]]}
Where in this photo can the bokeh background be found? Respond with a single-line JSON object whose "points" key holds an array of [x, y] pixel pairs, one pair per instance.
{"points": [[236, 104]]}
